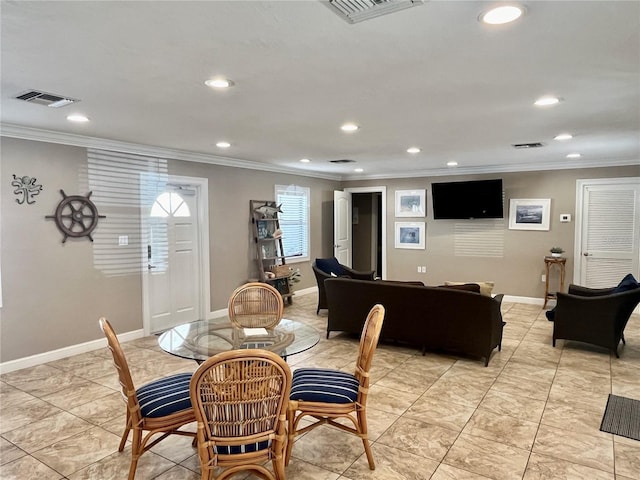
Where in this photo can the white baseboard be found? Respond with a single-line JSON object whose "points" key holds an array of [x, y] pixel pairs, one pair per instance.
{"points": [[529, 300], [65, 352]]}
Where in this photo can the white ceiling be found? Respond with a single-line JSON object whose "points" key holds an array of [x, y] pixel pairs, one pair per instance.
{"points": [[430, 76]]}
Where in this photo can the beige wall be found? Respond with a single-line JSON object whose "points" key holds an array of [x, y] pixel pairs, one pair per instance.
{"points": [[519, 270], [52, 293]]}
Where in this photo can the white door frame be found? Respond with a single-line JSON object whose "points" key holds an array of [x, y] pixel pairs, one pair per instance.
{"points": [[202, 187], [580, 184], [383, 192]]}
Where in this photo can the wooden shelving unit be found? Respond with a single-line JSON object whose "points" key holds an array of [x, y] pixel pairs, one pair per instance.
{"points": [[272, 263]]}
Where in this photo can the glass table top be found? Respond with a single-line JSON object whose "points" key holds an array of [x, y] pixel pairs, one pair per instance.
{"points": [[201, 339]]}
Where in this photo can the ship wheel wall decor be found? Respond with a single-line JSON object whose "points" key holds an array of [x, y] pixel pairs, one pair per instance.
{"points": [[76, 216]]}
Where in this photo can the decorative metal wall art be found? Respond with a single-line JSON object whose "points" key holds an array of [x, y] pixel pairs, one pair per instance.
{"points": [[76, 216], [27, 188]]}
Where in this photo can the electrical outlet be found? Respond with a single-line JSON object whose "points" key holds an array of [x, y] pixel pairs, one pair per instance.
{"points": [[543, 278], [424, 269], [418, 268], [123, 240]]}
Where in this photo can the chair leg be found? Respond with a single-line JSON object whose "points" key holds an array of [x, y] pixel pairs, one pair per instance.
{"points": [[125, 434], [136, 447], [278, 468], [622, 337], [291, 434], [362, 426]]}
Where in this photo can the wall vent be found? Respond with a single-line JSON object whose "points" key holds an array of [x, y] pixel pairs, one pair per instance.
{"points": [[344, 160], [48, 99], [528, 145], [354, 11]]}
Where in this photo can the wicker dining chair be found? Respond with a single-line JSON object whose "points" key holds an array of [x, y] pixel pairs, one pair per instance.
{"points": [[255, 305], [159, 407], [327, 395], [240, 400]]}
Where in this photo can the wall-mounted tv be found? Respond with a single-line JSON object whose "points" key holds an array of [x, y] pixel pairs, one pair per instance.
{"points": [[465, 200]]}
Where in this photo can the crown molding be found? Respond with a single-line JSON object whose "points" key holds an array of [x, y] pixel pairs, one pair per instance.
{"points": [[51, 136]]}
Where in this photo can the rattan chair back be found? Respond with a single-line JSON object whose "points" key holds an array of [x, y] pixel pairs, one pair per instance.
{"points": [[240, 399], [255, 305], [368, 343], [163, 425]]}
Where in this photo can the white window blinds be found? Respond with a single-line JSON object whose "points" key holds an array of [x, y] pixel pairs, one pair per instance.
{"points": [[294, 220]]}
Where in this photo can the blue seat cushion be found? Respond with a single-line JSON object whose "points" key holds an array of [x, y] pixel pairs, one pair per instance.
{"points": [[323, 385], [626, 284], [330, 265], [235, 449], [165, 396]]}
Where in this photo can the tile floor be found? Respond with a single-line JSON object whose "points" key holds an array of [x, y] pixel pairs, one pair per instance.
{"points": [[533, 413]]}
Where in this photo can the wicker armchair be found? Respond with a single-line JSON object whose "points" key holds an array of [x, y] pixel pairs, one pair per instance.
{"points": [[326, 395], [159, 407], [324, 268], [240, 399], [595, 316], [255, 305]]}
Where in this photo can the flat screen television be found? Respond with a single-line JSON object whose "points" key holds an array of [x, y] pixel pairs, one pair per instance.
{"points": [[465, 200]]}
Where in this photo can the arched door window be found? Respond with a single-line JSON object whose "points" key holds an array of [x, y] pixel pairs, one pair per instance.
{"points": [[170, 204]]}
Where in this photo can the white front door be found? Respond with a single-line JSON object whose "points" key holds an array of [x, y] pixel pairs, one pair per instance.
{"points": [[342, 227], [173, 284], [607, 231]]}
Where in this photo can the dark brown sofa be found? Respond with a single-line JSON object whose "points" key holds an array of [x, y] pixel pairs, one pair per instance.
{"points": [[342, 271], [433, 318]]}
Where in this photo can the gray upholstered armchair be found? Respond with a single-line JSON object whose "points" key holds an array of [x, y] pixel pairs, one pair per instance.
{"points": [[595, 316], [324, 268]]}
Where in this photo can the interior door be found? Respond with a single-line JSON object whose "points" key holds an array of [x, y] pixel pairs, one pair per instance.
{"points": [[342, 240], [173, 259], [608, 237]]}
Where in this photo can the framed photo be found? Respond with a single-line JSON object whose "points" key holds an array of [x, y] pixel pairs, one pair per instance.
{"points": [[410, 235], [410, 203], [529, 213]]}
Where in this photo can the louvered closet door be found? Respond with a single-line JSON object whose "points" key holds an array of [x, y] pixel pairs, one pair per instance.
{"points": [[610, 241]]}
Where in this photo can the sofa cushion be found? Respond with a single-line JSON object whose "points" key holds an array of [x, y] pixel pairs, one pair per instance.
{"points": [[469, 287], [485, 287], [330, 266], [626, 284]]}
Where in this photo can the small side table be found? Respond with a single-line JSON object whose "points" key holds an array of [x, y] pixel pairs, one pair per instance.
{"points": [[549, 262]]}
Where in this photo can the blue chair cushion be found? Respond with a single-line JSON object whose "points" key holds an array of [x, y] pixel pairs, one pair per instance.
{"points": [[323, 385], [235, 449], [626, 284], [330, 265], [165, 396]]}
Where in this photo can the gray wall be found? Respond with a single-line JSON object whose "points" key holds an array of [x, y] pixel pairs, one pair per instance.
{"points": [[53, 294], [518, 271]]}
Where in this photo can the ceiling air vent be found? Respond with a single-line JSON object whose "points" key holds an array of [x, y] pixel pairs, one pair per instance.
{"points": [[354, 11], [528, 145], [344, 160], [47, 99]]}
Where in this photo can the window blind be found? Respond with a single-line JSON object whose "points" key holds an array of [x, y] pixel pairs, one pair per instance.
{"points": [[294, 220]]}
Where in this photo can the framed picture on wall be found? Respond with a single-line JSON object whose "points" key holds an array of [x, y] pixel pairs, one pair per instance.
{"points": [[410, 235], [529, 213], [410, 203]]}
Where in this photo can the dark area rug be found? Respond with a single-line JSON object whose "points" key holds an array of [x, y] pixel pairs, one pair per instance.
{"points": [[622, 417]]}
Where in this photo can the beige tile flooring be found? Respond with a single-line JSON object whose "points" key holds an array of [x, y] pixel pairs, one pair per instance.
{"points": [[533, 413]]}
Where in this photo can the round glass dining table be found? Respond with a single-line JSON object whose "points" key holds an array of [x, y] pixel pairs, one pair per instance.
{"points": [[201, 339]]}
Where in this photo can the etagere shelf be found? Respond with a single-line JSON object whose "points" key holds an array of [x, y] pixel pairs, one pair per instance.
{"points": [[272, 263]]}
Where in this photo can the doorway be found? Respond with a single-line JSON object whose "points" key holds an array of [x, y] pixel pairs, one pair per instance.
{"points": [[369, 229], [175, 270]]}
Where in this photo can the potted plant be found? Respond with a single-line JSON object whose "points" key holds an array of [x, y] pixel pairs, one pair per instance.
{"points": [[556, 251]]}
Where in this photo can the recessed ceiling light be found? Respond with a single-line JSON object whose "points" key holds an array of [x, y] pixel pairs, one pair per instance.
{"points": [[546, 101], [223, 144], [413, 150], [77, 118], [358, 170], [219, 82], [452, 164], [500, 15], [563, 136], [574, 155], [349, 127], [305, 160]]}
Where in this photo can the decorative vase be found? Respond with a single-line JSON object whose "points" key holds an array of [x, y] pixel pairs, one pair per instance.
{"points": [[554, 254]]}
